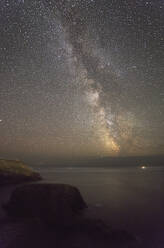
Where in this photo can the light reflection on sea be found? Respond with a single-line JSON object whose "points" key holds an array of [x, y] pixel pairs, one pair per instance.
{"points": [[128, 198]]}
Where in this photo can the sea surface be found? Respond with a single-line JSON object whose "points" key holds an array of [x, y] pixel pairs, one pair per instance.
{"points": [[131, 199]]}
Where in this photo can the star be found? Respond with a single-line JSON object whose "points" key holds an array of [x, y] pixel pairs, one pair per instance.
{"points": [[81, 78]]}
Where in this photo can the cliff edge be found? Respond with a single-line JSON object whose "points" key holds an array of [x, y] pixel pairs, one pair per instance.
{"points": [[15, 171]]}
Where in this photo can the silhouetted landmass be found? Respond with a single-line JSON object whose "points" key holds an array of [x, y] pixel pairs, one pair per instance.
{"points": [[32, 205], [13, 171], [57, 204]]}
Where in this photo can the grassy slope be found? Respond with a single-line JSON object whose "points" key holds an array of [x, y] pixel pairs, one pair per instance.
{"points": [[14, 167]]}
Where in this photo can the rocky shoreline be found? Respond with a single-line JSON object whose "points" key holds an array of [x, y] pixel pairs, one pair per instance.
{"points": [[15, 172], [82, 232], [53, 215]]}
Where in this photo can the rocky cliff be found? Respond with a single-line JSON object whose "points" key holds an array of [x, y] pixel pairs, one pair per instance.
{"points": [[13, 171]]}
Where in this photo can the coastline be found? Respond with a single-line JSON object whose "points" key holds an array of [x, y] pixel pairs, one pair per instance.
{"points": [[118, 214], [33, 233]]}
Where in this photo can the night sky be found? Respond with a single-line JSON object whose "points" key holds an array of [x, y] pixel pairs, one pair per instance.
{"points": [[81, 78]]}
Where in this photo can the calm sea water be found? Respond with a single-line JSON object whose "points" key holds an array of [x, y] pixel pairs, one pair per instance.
{"points": [[132, 199]]}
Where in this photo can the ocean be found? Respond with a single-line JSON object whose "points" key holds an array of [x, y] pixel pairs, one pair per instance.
{"points": [[127, 198]]}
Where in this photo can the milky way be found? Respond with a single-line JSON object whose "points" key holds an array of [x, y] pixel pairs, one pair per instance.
{"points": [[81, 78]]}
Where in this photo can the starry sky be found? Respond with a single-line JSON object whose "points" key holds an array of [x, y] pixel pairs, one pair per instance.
{"points": [[81, 78]]}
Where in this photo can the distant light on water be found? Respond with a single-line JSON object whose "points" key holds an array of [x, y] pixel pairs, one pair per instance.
{"points": [[143, 167]]}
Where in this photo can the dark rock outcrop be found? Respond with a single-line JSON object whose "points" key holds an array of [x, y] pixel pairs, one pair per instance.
{"points": [[55, 204], [13, 172], [85, 232]]}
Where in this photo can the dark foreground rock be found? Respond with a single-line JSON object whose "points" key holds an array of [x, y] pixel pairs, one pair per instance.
{"points": [[13, 172], [33, 206], [88, 233], [55, 204]]}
